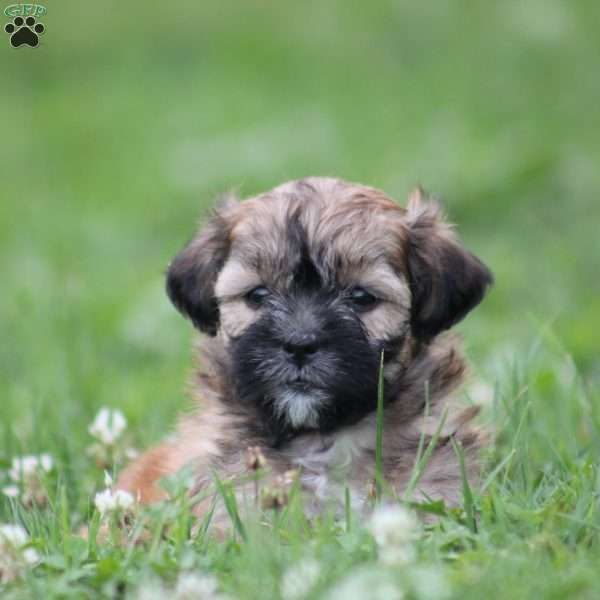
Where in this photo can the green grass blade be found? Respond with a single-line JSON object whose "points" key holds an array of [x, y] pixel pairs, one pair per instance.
{"points": [[379, 433], [421, 464], [469, 504], [494, 473], [231, 506], [348, 508]]}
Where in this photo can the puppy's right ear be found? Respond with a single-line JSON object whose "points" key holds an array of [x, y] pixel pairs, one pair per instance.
{"points": [[193, 272]]}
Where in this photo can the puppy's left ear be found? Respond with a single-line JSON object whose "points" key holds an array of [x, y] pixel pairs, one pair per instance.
{"points": [[446, 280], [193, 272]]}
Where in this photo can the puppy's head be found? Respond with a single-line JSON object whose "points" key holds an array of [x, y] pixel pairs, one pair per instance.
{"points": [[306, 285]]}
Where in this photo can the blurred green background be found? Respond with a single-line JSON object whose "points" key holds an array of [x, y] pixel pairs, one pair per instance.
{"points": [[127, 120]]}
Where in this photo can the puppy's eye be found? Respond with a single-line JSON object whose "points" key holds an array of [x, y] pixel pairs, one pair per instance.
{"points": [[362, 299], [257, 296]]}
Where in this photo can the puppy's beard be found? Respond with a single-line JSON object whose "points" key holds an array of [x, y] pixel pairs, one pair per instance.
{"points": [[299, 409]]}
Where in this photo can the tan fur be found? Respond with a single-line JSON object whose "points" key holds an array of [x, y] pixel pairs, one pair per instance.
{"points": [[142, 476], [365, 235]]}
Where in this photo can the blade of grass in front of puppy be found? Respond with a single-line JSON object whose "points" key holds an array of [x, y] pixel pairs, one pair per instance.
{"points": [[348, 509], [492, 476], [293, 511], [421, 445], [516, 437], [231, 506], [420, 448], [469, 505], [206, 521], [379, 434], [421, 464]]}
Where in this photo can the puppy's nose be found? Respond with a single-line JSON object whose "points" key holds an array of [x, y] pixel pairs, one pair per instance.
{"points": [[301, 346]]}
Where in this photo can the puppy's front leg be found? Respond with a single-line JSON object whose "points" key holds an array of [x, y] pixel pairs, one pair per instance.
{"points": [[141, 477]]}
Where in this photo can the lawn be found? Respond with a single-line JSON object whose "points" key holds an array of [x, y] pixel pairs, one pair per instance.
{"points": [[126, 122]]}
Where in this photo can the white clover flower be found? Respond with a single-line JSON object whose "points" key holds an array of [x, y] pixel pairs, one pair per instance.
{"points": [[393, 524], [104, 501], [123, 500], [23, 467], [31, 556], [151, 589], [46, 462], [28, 471], [108, 501], [189, 586], [394, 529], [12, 491], [197, 586], [429, 583], [366, 582], [108, 426], [14, 559], [12, 535], [28, 466], [397, 555], [300, 579]]}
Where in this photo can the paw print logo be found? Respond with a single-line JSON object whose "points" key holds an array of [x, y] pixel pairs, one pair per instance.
{"points": [[24, 32]]}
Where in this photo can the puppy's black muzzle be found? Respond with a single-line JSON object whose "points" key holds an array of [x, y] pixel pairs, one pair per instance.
{"points": [[301, 347]]}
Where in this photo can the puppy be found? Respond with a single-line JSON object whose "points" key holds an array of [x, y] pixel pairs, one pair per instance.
{"points": [[301, 291]]}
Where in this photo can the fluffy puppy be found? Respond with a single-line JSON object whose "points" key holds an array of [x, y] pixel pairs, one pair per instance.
{"points": [[300, 291]]}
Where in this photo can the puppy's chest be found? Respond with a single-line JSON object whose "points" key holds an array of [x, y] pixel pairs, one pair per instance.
{"points": [[327, 466]]}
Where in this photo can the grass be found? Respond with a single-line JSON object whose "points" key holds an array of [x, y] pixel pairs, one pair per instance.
{"points": [[379, 432], [123, 125]]}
